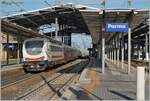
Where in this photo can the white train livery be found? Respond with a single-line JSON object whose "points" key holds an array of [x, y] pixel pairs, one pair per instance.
{"points": [[41, 53]]}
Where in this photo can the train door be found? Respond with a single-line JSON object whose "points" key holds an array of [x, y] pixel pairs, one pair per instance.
{"points": [[65, 54], [48, 51]]}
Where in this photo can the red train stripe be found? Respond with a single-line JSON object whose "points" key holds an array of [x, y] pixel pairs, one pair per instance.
{"points": [[35, 58]]}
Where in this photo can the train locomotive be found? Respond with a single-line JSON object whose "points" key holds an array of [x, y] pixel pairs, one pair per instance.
{"points": [[41, 53]]}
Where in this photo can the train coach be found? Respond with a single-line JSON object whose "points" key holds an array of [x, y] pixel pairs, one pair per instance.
{"points": [[41, 53]]}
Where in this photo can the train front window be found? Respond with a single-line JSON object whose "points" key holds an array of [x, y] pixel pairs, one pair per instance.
{"points": [[34, 47]]}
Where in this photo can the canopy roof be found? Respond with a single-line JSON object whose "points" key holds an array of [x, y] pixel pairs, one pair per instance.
{"points": [[79, 18]]}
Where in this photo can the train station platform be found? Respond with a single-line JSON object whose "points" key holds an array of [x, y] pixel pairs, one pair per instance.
{"points": [[115, 84], [11, 67]]}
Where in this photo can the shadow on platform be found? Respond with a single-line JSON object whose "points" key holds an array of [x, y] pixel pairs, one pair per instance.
{"points": [[82, 95]]}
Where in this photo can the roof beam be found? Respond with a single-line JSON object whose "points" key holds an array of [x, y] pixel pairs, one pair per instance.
{"points": [[32, 15]]}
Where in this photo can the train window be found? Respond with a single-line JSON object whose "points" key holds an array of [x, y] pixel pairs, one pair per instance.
{"points": [[49, 48], [55, 48], [34, 47]]}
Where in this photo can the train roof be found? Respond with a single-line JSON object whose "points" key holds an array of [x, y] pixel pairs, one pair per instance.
{"points": [[51, 40], [48, 39], [30, 39]]}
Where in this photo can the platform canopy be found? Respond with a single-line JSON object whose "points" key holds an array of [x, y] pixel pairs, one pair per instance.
{"points": [[79, 18], [67, 15]]}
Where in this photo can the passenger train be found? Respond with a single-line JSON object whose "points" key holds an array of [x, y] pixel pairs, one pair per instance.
{"points": [[41, 53]]}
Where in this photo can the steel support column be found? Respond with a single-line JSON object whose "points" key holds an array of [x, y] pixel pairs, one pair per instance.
{"points": [[99, 52], [18, 51], [62, 38], [110, 51], [139, 48], [19, 40], [7, 60], [56, 28], [51, 34], [129, 50], [115, 51], [118, 49], [69, 39], [103, 54], [103, 44], [149, 40], [149, 45], [146, 47], [107, 53], [122, 51], [142, 52], [132, 50], [1, 49]]}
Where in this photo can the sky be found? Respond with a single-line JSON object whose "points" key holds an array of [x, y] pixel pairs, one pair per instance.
{"points": [[80, 40], [27, 5]]}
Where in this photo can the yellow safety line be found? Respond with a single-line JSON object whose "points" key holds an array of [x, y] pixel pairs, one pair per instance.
{"points": [[89, 87]]}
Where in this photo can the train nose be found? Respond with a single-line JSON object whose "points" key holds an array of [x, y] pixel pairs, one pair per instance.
{"points": [[42, 64], [36, 65], [32, 66]]}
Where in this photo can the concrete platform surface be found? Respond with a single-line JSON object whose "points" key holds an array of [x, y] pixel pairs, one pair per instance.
{"points": [[115, 84], [11, 67]]}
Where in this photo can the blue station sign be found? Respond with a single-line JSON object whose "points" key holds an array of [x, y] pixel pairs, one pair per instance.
{"points": [[11, 46], [116, 27]]}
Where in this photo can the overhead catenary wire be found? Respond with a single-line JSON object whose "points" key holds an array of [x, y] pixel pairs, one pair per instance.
{"points": [[17, 5], [12, 2]]}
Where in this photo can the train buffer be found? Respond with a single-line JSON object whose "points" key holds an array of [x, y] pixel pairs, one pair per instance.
{"points": [[115, 84]]}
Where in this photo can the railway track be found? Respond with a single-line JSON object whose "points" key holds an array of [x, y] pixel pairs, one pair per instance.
{"points": [[56, 84], [139, 62], [20, 78], [47, 83], [136, 63], [12, 77]]}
